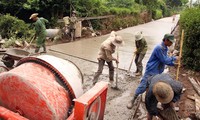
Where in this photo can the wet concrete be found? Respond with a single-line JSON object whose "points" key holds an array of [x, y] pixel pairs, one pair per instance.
{"points": [[88, 48]]}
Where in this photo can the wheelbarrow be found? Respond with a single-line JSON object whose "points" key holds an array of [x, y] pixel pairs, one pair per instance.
{"points": [[11, 55]]}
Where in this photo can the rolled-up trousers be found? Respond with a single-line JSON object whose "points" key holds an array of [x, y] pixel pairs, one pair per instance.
{"points": [[101, 63]]}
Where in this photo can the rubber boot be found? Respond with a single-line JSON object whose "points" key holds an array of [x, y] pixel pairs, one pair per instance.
{"points": [[44, 49], [131, 103]]}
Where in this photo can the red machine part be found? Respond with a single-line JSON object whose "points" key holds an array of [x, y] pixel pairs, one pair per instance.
{"points": [[91, 105], [36, 89], [6, 114]]}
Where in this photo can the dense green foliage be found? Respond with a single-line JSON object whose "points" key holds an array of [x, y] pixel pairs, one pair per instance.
{"points": [[14, 29], [127, 12], [190, 22], [12, 26], [157, 14], [53, 9]]}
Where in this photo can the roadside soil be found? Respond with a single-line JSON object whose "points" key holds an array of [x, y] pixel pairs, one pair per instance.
{"points": [[186, 105]]}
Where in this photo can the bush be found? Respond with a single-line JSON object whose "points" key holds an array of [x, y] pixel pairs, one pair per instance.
{"points": [[157, 14], [12, 26], [190, 22]]}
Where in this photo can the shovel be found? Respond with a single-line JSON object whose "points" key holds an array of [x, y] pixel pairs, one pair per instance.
{"points": [[117, 70], [129, 69], [28, 44]]}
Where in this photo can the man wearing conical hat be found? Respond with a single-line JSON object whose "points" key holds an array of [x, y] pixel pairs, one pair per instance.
{"points": [[163, 89], [141, 49], [40, 29], [107, 48]]}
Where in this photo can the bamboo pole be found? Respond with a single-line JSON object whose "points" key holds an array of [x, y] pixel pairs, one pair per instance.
{"points": [[117, 70], [180, 55]]}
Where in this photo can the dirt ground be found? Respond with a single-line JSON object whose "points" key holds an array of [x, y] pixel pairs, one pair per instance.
{"points": [[186, 105]]}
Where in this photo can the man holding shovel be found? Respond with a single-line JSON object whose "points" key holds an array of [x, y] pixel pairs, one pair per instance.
{"points": [[40, 29], [141, 49], [155, 65], [105, 55]]}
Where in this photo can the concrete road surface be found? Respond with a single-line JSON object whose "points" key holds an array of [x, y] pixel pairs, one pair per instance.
{"points": [[87, 49]]}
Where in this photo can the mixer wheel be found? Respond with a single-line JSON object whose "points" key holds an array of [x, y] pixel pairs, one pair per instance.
{"points": [[8, 61]]}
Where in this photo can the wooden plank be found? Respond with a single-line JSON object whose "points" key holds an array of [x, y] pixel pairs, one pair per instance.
{"points": [[197, 103], [89, 18], [198, 82], [195, 85], [98, 17], [196, 98]]}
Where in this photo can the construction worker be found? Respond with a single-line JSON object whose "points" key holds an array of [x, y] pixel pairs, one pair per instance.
{"points": [[72, 25], [40, 29], [105, 55], [163, 89], [141, 49], [173, 17], [156, 65]]}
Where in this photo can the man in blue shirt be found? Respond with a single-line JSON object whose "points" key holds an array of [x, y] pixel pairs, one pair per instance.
{"points": [[155, 65]]}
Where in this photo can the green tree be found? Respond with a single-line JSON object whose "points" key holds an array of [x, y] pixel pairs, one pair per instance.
{"points": [[89, 7], [121, 3], [11, 6], [54, 8]]}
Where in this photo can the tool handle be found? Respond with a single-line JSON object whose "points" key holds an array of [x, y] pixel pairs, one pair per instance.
{"points": [[181, 49], [131, 62], [117, 67]]}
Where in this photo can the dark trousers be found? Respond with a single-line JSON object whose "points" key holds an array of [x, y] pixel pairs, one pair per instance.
{"points": [[100, 69], [38, 48], [138, 62], [72, 34]]}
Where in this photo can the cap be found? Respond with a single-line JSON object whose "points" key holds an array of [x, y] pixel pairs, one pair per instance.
{"points": [[170, 37]]}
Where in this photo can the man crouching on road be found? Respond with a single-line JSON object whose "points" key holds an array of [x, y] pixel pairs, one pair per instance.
{"points": [[105, 55], [163, 89]]}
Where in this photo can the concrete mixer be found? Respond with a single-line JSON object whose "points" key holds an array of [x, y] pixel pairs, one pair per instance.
{"points": [[49, 88]]}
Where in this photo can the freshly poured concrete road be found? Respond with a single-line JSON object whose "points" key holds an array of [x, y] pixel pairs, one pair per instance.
{"points": [[87, 49]]}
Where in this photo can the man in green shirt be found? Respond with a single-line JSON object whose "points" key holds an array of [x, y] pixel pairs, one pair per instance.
{"points": [[141, 49], [40, 29]]}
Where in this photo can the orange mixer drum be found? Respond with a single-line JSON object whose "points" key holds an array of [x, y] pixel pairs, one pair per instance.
{"points": [[41, 88]]}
